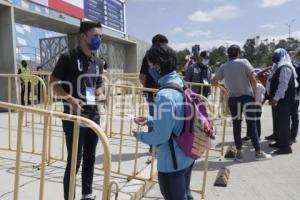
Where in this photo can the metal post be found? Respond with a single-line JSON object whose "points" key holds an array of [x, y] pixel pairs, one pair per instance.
{"points": [[18, 155]]}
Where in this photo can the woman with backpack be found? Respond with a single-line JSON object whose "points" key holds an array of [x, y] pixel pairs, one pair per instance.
{"points": [[168, 119]]}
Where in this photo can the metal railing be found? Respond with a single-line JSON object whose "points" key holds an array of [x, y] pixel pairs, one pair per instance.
{"points": [[77, 121], [124, 102]]}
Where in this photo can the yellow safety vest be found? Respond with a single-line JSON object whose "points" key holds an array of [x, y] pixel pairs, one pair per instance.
{"points": [[25, 71]]}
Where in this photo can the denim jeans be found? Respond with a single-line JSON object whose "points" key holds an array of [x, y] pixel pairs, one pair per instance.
{"points": [[176, 185], [86, 151], [257, 121], [237, 106]]}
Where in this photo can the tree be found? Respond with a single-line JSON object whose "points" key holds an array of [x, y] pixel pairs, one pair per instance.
{"points": [[282, 44], [258, 52], [249, 48], [180, 56], [217, 56]]}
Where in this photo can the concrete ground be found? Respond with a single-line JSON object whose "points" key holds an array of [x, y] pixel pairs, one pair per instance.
{"points": [[275, 179]]}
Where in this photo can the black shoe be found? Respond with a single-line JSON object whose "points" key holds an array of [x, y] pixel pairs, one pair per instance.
{"points": [[286, 150], [270, 137], [294, 140], [246, 138], [274, 145]]}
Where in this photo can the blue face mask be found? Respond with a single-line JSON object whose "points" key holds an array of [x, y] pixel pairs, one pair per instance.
{"points": [[154, 74], [205, 62], [95, 43]]}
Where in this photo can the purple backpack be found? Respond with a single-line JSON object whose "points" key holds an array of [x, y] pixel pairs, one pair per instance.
{"points": [[197, 131]]}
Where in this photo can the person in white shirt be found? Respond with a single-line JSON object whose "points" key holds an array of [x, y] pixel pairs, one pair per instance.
{"points": [[259, 99]]}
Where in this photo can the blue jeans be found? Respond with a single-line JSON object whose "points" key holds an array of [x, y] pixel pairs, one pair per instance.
{"points": [[87, 150], [176, 185], [237, 106], [257, 121]]}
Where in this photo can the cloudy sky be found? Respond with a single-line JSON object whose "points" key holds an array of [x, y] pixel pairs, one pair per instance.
{"points": [[212, 22]]}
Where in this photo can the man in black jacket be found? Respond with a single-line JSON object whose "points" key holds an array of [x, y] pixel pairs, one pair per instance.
{"points": [[200, 73], [281, 94]]}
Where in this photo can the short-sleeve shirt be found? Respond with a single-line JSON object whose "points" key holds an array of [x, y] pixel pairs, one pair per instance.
{"points": [[150, 82], [77, 72], [260, 93], [236, 73]]}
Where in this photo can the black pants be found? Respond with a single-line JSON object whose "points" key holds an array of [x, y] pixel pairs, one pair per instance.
{"points": [[87, 150], [282, 123], [176, 185], [295, 119], [23, 93], [237, 106]]}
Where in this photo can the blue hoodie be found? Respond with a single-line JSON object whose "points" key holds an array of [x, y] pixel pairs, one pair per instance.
{"points": [[168, 104]]}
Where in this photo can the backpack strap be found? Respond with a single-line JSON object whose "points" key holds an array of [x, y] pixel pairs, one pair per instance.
{"points": [[177, 87], [171, 146]]}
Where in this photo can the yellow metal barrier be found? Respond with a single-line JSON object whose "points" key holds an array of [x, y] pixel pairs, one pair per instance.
{"points": [[124, 103], [77, 121], [14, 83]]}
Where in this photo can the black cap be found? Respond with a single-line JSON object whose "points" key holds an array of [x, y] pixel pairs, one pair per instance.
{"points": [[204, 54], [85, 26], [159, 38]]}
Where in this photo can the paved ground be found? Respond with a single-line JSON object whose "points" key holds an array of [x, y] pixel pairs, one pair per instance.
{"points": [[276, 179]]}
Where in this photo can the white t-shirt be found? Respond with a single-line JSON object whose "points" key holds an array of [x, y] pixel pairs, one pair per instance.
{"points": [[260, 93]]}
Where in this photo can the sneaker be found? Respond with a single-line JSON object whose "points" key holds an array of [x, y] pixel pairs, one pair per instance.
{"points": [[246, 138], [262, 156], [238, 156], [89, 198]]}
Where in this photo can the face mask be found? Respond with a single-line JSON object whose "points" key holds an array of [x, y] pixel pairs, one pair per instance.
{"points": [[276, 58], [205, 62], [95, 43], [154, 74], [24, 65]]}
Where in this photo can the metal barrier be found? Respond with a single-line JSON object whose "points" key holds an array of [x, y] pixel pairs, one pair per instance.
{"points": [[15, 83], [77, 121], [123, 79], [124, 102]]}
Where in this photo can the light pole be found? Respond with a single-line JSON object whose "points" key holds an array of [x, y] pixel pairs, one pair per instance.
{"points": [[289, 25]]}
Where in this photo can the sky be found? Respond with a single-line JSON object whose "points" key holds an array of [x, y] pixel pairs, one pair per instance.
{"points": [[212, 22]]}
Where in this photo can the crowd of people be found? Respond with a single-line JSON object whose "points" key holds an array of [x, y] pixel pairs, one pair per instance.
{"points": [[158, 70], [246, 95]]}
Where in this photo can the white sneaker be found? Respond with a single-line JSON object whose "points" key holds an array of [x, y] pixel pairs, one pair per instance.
{"points": [[262, 156]]}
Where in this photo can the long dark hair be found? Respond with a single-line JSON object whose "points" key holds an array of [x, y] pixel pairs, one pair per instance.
{"points": [[164, 56]]}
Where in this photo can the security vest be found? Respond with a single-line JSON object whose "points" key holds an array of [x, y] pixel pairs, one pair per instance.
{"points": [[25, 71]]}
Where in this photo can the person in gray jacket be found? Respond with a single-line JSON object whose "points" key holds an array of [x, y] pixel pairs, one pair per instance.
{"points": [[200, 73]]}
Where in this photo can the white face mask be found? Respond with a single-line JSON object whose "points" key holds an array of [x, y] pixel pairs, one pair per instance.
{"points": [[205, 62]]}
